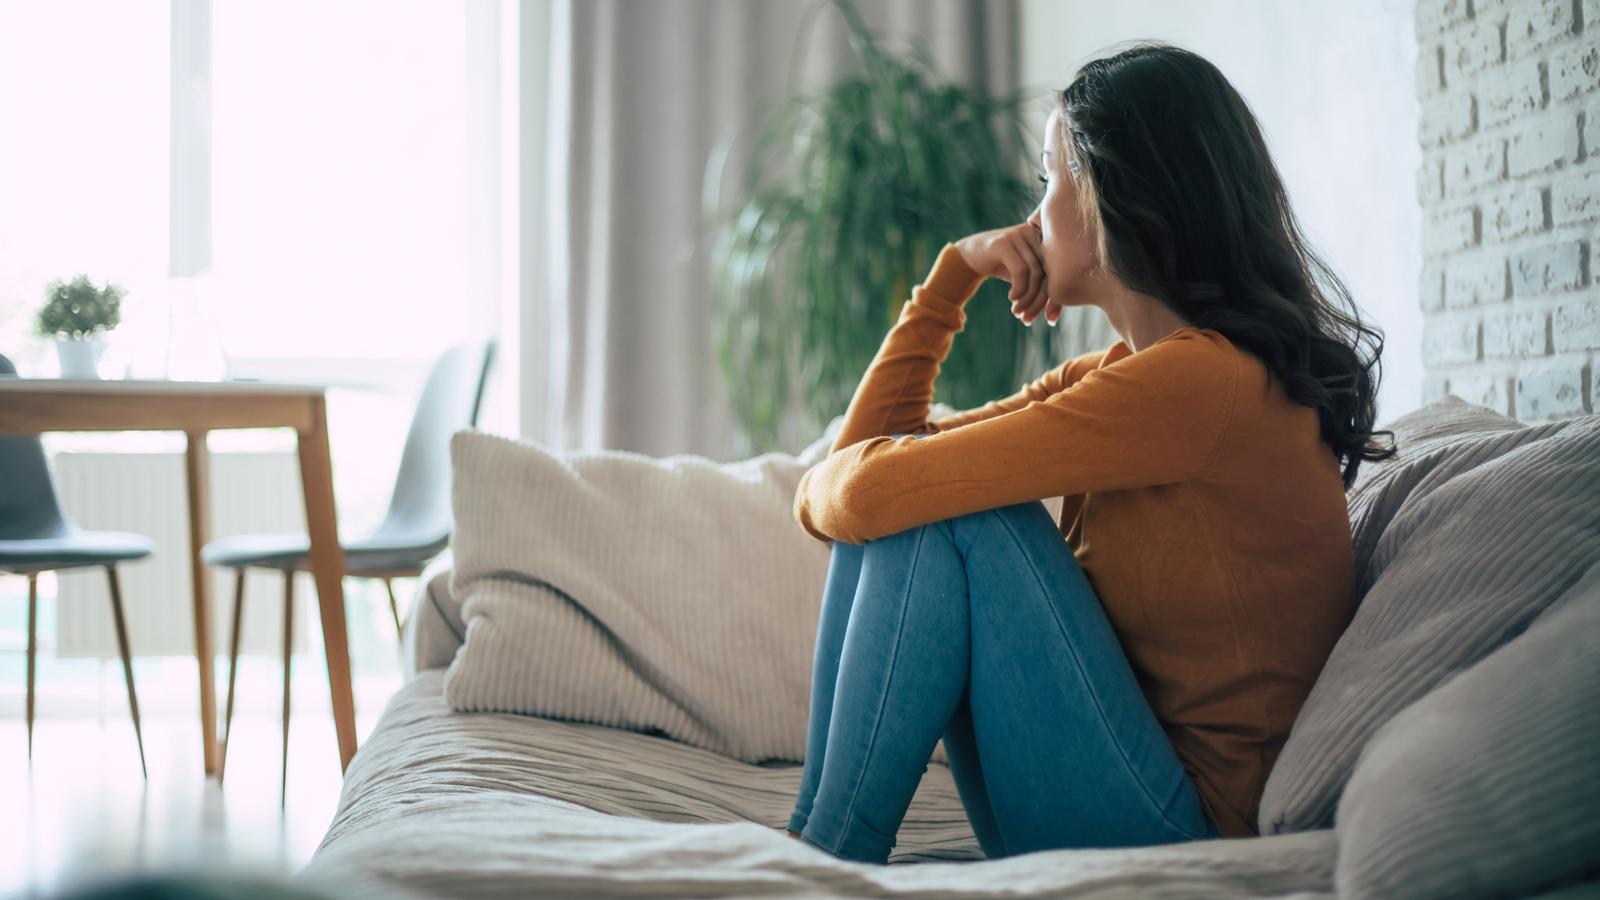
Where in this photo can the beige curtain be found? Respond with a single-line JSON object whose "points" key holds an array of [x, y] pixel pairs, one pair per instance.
{"points": [[639, 94]]}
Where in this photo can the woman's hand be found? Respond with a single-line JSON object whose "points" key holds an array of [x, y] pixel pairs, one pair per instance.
{"points": [[1014, 253]]}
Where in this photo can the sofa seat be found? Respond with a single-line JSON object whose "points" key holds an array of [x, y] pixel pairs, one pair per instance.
{"points": [[491, 805], [440, 803]]}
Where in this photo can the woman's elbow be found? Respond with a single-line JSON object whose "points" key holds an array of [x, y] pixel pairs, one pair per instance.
{"points": [[836, 506]]}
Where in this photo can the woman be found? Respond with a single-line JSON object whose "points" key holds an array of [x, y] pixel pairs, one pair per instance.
{"points": [[1132, 683]]}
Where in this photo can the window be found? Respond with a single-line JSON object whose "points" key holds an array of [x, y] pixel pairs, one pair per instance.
{"points": [[83, 156], [339, 169], [338, 182], [337, 165]]}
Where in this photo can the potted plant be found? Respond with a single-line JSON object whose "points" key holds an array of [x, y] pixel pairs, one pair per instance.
{"points": [[846, 200], [78, 315]]}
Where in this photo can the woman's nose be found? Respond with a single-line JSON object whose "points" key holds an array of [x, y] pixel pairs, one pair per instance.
{"points": [[1033, 218]]}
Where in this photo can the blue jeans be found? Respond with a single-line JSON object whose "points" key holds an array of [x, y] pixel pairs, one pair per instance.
{"points": [[981, 629]]}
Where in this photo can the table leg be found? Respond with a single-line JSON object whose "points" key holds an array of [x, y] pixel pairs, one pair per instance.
{"points": [[327, 568], [197, 470]]}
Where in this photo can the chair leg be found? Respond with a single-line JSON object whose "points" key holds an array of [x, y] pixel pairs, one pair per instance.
{"points": [[127, 661], [288, 643], [33, 648], [233, 671], [394, 607]]}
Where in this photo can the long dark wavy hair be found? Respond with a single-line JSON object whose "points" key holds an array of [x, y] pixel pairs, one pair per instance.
{"points": [[1176, 179]]}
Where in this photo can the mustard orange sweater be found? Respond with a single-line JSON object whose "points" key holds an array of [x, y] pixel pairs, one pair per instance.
{"points": [[1202, 503]]}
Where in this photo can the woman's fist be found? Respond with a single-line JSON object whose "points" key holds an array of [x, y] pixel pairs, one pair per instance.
{"points": [[1015, 254]]}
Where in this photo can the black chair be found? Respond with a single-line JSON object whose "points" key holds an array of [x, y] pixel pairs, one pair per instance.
{"points": [[415, 529], [36, 536]]}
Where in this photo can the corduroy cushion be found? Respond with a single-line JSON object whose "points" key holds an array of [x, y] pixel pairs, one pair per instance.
{"points": [[1489, 785], [1443, 419], [1458, 548], [1424, 440]]}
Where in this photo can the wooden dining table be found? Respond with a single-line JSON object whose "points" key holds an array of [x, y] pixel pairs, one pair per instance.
{"points": [[37, 405]]}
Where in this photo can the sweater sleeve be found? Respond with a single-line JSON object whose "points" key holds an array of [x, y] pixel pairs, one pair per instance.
{"points": [[897, 391], [1052, 382], [1154, 417]]}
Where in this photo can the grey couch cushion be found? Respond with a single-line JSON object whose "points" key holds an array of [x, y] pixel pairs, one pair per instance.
{"points": [[1429, 444], [1448, 417], [1489, 785], [1482, 532]]}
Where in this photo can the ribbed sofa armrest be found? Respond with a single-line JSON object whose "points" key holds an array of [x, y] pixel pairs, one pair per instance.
{"points": [[435, 630]]}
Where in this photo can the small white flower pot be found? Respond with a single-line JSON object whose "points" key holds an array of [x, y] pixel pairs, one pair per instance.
{"points": [[80, 357]]}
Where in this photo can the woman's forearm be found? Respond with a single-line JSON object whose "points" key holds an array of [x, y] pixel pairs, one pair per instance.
{"points": [[896, 392]]}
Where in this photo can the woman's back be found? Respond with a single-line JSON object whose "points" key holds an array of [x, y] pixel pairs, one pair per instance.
{"points": [[1227, 588]]}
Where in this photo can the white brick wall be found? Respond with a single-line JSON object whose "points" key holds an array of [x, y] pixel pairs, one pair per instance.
{"points": [[1510, 190]]}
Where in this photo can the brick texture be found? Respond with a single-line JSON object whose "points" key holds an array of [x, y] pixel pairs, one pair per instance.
{"points": [[1515, 334], [1551, 390], [1492, 391], [1543, 145], [1447, 118], [1575, 71], [1473, 281], [1576, 198], [1519, 93], [1512, 214], [1533, 24], [1577, 327], [1547, 268], [1474, 166], [1509, 125], [1467, 50]]}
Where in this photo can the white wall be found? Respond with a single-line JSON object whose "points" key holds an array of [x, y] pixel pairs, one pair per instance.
{"points": [[1333, 86]]}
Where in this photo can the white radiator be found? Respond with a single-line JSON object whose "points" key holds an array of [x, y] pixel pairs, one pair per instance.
{"points": [[145, 493]]}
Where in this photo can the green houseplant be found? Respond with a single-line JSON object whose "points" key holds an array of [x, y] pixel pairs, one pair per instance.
{"points": [[847, 199], [78, 315]]}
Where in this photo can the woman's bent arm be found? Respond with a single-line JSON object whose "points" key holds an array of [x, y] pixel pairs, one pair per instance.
{"points": [[897, 391], [1154, 417], [1042, 388]]}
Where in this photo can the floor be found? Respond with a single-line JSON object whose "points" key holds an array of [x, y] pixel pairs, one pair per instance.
{"points": [[81, 809]]}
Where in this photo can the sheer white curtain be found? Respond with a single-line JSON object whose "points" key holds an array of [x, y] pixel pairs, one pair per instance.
{"points": [[618, 350]]}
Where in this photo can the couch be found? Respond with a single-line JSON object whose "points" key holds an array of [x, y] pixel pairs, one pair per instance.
{"points": [[1447, 750]]}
